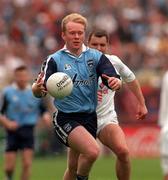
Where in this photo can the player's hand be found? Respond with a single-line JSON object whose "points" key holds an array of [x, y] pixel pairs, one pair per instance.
{"points": [[114, 83], [38, 87], [12, 125], [40, 82], [99, 96], [142, 112]]}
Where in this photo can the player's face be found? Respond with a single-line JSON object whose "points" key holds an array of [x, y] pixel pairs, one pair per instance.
{"points": [[74, 37], [99, 43], [22, 78]]}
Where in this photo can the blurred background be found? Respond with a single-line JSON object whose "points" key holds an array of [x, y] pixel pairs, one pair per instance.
{"points": [[138, 29]]}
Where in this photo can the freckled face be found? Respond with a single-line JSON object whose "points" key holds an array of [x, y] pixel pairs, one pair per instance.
{"points": [[74, 36]]}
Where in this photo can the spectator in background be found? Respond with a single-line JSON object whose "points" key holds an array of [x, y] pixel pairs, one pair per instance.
{"points": [[19, 114], [132, 24], [163, 122]]}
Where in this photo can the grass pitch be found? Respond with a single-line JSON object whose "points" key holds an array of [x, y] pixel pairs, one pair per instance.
{"points": [[52, 168]]}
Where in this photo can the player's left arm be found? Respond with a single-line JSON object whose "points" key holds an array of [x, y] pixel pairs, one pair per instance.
{"points": [[109, 76]]}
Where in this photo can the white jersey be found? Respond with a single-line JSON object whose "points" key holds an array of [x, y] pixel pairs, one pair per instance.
{"points": [[163, 112], [163, 122], [106, 106]]}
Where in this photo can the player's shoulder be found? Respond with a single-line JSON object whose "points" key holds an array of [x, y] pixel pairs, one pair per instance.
{"points": [[93, 51], [93, 54], [114, 59], [56, 54], [8, 88]]}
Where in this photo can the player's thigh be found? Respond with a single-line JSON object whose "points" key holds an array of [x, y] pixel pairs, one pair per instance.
{"points": [[82, 141], [27, 156], [10, 160], [113, 137]]}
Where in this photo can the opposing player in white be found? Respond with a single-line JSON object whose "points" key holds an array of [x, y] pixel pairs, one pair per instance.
{"points": [[109, 132], [163, 122]]}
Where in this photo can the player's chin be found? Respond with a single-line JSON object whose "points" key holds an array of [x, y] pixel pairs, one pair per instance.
{"points": [[77, 45]]}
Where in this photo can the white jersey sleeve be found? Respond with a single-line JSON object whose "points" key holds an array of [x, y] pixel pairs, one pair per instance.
{"points": [[163, 111], [126, 74]]}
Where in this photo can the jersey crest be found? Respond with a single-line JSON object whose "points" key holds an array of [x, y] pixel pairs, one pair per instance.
{"points": [[90, 64], [67, 67]]}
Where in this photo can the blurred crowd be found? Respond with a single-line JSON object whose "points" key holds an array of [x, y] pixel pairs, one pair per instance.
{"points": [[138, 29]]}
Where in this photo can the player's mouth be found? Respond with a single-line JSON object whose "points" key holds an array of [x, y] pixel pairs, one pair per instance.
{"points": [[76, 43]]}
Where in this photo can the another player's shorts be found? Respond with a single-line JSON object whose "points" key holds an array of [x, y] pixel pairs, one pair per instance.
{"points": [[64, 123], [103, 121], [20, 139], [164, 149]]}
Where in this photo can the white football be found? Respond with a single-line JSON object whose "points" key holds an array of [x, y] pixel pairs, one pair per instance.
{"points": [[59, 85]]}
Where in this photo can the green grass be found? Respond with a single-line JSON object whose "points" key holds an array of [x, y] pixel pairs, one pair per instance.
{"points": [[52, 168]]}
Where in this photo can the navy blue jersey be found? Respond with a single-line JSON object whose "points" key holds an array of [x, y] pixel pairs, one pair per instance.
{"points": [[84, 71], [21, 106]]}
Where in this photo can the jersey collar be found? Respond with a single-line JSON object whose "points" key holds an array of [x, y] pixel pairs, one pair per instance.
{"points": [[84, 49], [16, 86]]}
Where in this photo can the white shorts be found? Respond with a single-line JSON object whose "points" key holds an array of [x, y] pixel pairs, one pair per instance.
{"points": [[164, 149], [103, 121]]}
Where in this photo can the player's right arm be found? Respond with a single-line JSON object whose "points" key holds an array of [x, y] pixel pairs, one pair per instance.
{"points": [[39, 86], [134, 86], [129, 77]]}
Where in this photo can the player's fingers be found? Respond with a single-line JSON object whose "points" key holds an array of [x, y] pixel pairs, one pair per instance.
{"points": [[39, 84], [105, 76], [140, 116], [40, 76], [99, 96], [114, 83], [42, 88]]}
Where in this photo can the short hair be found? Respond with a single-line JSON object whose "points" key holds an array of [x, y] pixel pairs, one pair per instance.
{"points": [[73, 17], [98, 33], [21, 68]]}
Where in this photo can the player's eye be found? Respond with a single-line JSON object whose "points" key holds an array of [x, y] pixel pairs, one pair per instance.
{"points": [[72, 33], [80, 33], [94, 44]]}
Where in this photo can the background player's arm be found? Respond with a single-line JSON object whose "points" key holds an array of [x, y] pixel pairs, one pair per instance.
{"points": [[134, 86], [129, 78], [8, 124], [4, 121]]}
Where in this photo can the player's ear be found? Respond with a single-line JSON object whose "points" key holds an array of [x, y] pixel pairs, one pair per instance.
{"points": [[63, 35]]}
